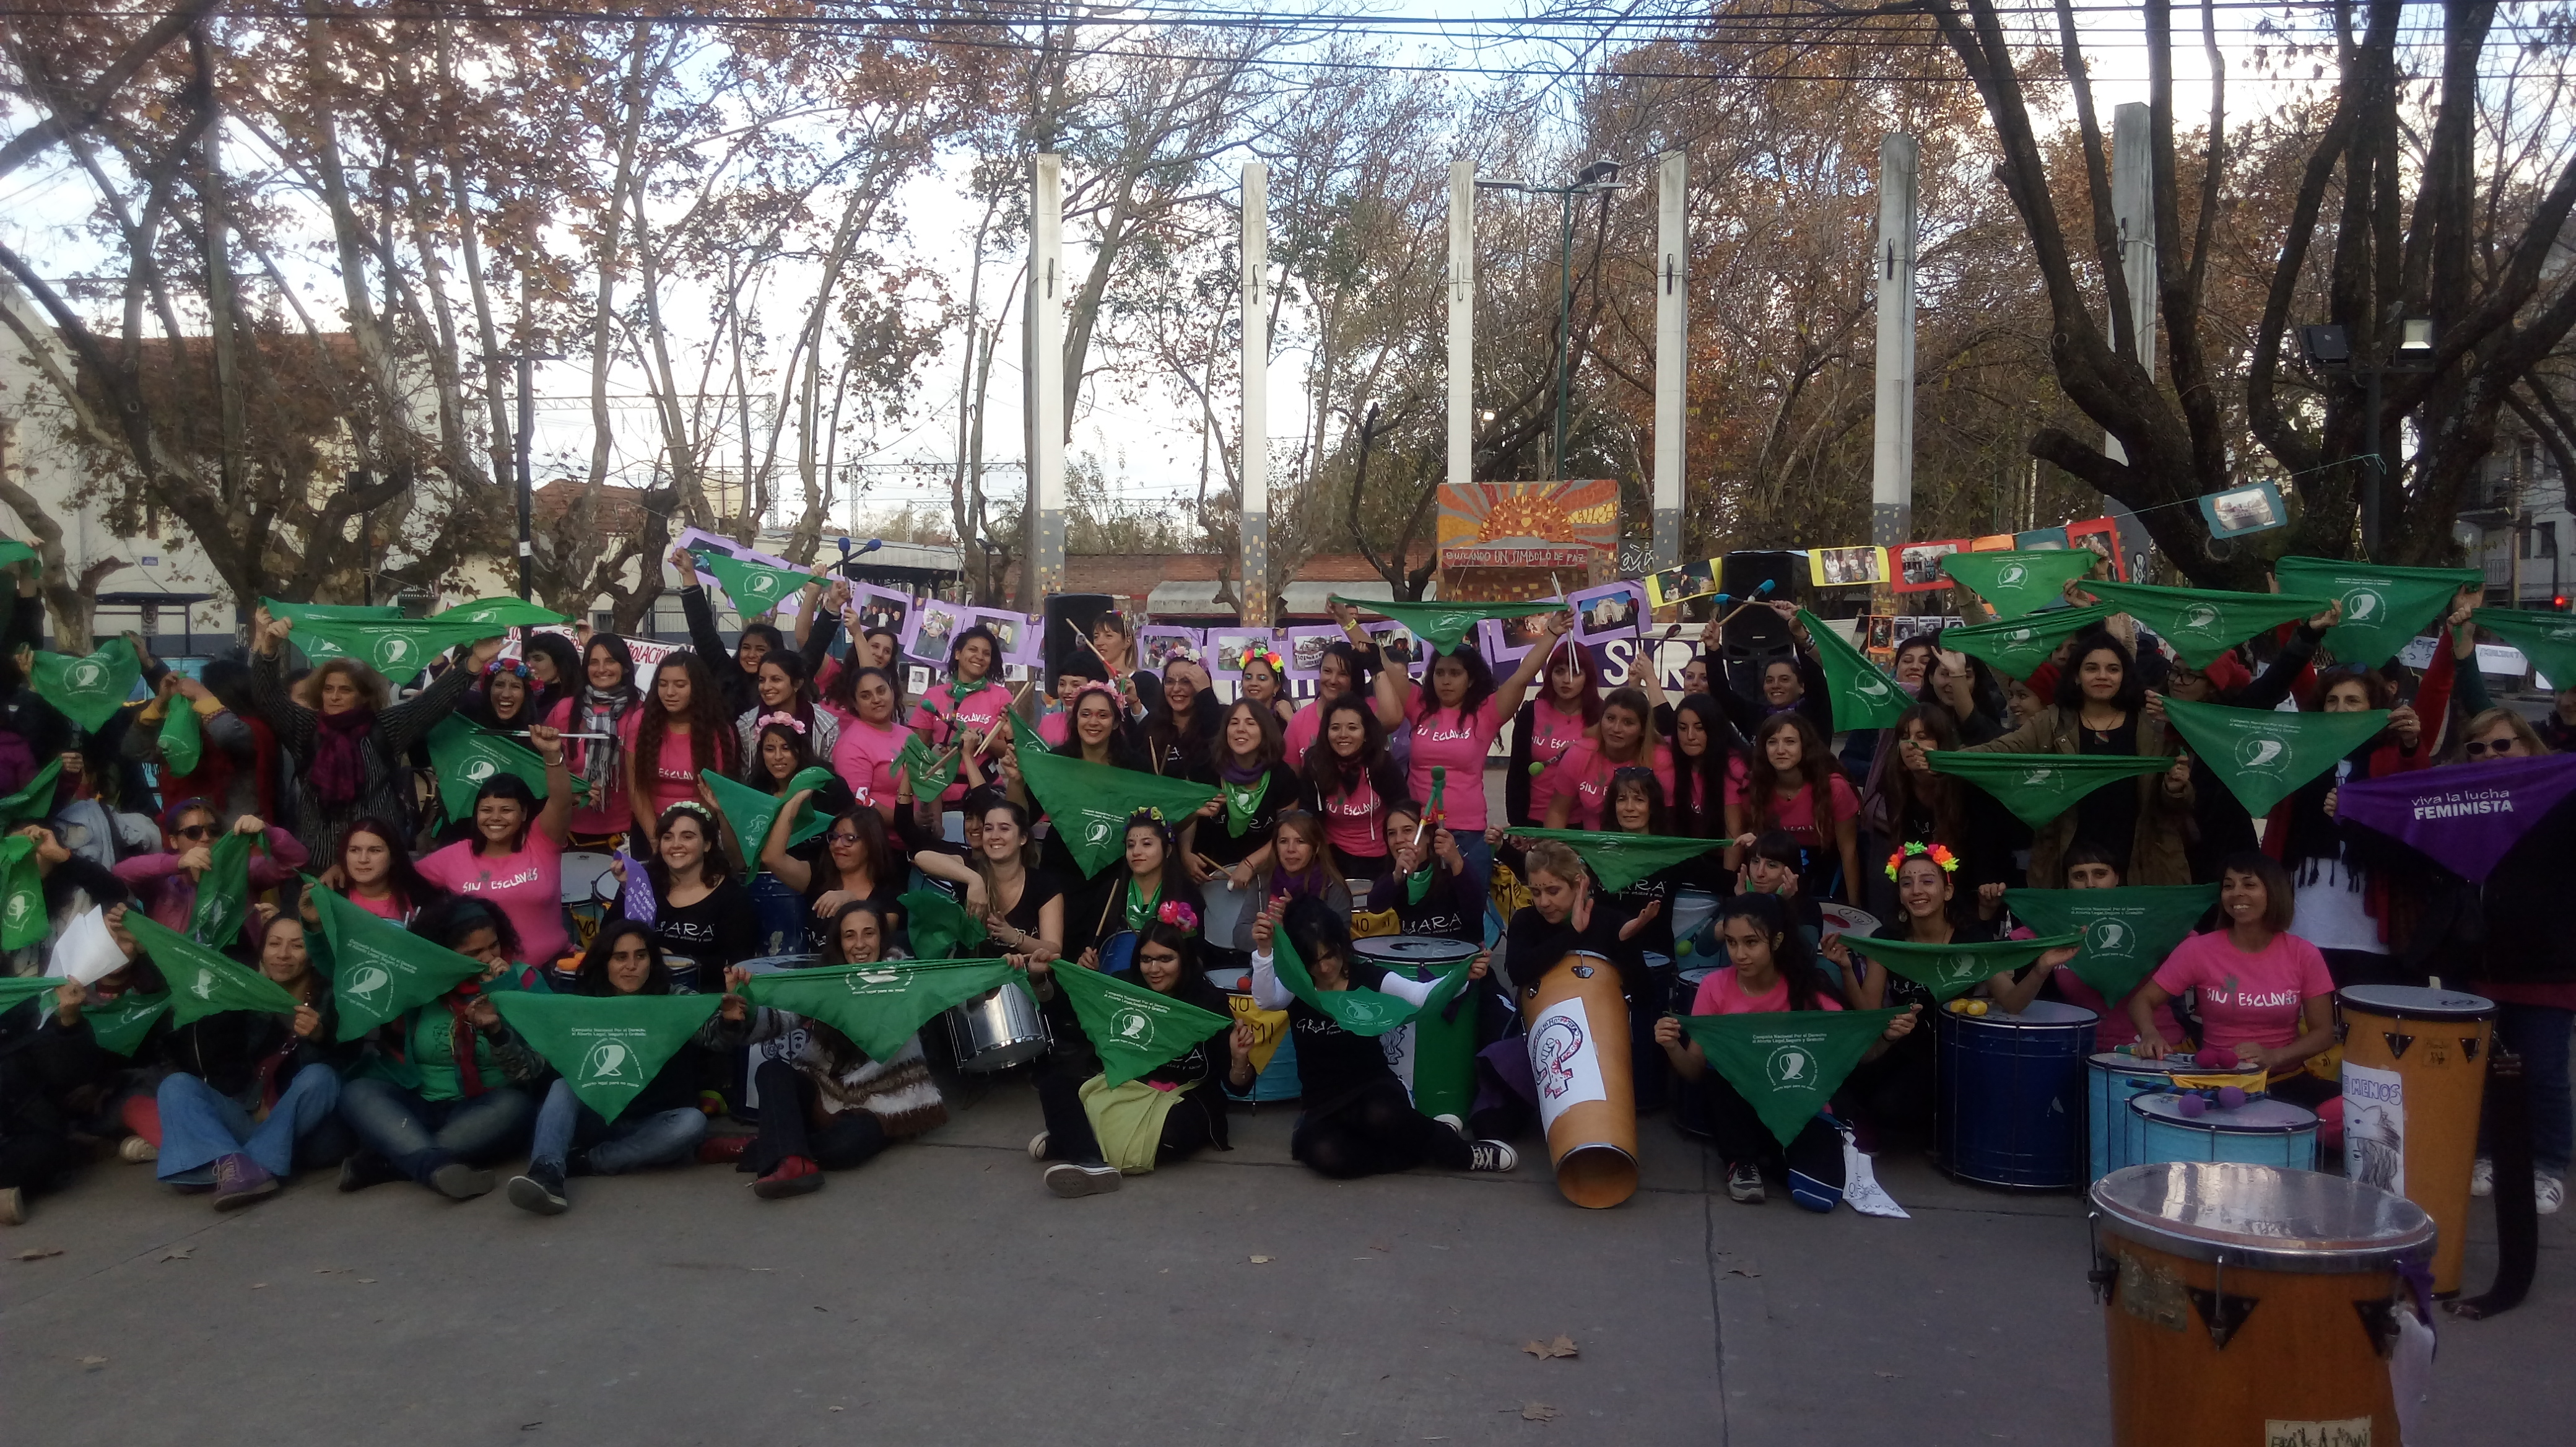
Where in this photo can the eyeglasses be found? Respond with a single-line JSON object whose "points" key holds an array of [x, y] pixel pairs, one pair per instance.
{"points": [[842, 839], [2501, 748]]}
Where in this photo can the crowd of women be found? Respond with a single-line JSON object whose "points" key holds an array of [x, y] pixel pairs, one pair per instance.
{"points": [[1365, 803]]}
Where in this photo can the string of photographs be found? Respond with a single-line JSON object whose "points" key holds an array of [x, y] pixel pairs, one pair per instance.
{"points": [[1912, 568]]}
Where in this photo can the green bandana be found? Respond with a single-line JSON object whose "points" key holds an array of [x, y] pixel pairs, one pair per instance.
{"points": [[1140, 910], [755, 588], [2203, 623], [879, 1007], [303, 613], [1025, 737], [1620, 860], [1091, 803], [1361, 1012], [1442, 624], [928, 777], [379, 969], [1954, 969], [2018, 646], [609, 1047], [463, 756], [1243, 803], [23, 920], [223, 892], [202, 982], [2383, 608], [1435, 808], [120, 1025], [31, 804], [940, 927], [1787, 1063], [88, 691], [401, 651], [2018, 584], [500, 613], [1863, 696], [2547, 640], [750, 812], [16, 990], [1132, 1027], [2263, 755], [1418, 883], [14, 551], [2039, 787], [2127, 931], [183, 737]]}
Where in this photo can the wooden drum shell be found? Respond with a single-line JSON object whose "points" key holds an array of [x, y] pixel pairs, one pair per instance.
{"points": [[1578, 1043], [2441, 1063]]}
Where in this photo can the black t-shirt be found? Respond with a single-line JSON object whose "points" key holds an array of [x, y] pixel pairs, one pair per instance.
{"points": [[2109, 815], [1663, 887], [1220, 845], [1450, 909], [887, 891], [717, 931], [1331, 1061], [1206, 1063]]}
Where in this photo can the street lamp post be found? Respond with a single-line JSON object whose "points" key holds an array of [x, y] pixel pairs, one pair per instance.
{"points": [[1599, 178], [2329, 348]]}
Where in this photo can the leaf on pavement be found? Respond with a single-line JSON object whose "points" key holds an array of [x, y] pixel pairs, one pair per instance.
{"points": [[1562, 1346]]}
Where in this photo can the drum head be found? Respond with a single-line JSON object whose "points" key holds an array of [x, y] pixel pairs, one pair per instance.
{"points": [[1843, 919], [2114, 1063], [2254, 1117], [2039, 1013], [1236, 981], [2414, 1002], [1431, 950], [2285, 1220]]}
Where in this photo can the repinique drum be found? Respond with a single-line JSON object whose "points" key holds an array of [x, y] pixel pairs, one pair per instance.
{"points": [[1227, 922], [1235, 981], [1434, 1055], [1578, 1044], [2259, 1132], [997, 1030], [2414, 1078], [1692, 910], [2110, 1079], [2252, 1304], [2010, 1095]]}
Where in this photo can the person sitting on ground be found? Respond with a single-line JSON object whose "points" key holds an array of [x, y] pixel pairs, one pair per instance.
{"points": [[1430, 888], [377, 875], [702, 918]]}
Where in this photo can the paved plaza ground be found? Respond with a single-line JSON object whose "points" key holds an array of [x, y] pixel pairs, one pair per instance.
{"points": [[941, 1295]]}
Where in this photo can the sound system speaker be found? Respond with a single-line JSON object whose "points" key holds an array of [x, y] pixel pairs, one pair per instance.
{"points": [[1069, 617], [1757, 632]]}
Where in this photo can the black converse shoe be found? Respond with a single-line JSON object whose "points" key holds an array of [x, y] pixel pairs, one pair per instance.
{"points": [[1491, 1156]]}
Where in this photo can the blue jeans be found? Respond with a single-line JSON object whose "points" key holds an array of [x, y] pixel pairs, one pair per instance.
{"points": [[200, 1126], [628, 1143], [2539, 1034], [419, 1136]]}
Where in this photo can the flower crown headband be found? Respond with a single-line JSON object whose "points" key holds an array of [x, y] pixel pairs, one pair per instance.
{"points": [[1179, 916], [783, 719], [499, 666], [1938, 853], [1258, 652]]}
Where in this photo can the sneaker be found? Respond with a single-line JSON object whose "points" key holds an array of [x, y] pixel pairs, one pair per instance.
{"points": [[1457, 1126], [366, 1168], [2482, 1178], [239, 1180], [723, 1150], [540, 1190], [1069, 1180], [13, 1207], [1744, 1183], [1038, 1146], [2548, 1193], [458, 1181], [795, 1176], [1491, 1156], [135, 1150]]}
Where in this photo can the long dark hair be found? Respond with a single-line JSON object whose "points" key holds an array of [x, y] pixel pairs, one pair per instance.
{"points": [[1121, 743], [713, 870], [1184, 943], [1938, 794], [1267, 752], [448, 923], [1323, 767], [1363, 672], [1636, 778], [2070, 679], [1816, 770], [1634, 701], [1480, 681], [591, 976], [515, 789], [1166, 735], [615, 647], [870, 827], [1699, 788], [832, 931], [799, 742], [710, 732], [992, 645], [402, 876], [1589, 703], [567, 661], [1789, 952], [800, 704]]}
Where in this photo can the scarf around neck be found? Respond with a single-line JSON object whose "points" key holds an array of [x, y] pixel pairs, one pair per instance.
{"points": [[339, 770]]}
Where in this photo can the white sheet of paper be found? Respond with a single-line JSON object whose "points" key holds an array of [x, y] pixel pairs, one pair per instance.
{"points": [[1860, 1185], [86, 952]]}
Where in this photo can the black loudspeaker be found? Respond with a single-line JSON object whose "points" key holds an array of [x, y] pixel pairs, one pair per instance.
{"points": [[1756, 632], [1069, 617]]}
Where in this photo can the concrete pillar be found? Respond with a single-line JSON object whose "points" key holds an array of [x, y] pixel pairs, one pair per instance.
{"points": [[1891, 490], [2133, 205], [1256, 395], [1462, 322], [1047, 289], [1672, 349]]}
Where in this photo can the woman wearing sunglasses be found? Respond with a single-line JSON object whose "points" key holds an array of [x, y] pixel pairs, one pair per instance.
{"points": [[166, 883]]}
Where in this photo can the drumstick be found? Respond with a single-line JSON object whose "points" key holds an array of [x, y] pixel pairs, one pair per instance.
{"points": [[1004, 721], [523, 733]]}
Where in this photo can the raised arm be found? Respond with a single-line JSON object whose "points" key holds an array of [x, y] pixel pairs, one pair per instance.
{"points": [[398, 727], [292, 721], [795, 873], [701, 614], [1508, 696], [556, 818]]}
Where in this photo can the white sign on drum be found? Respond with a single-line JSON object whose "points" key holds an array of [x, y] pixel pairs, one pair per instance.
{"points": [[1398, 1045], [2374, 1127], [1565, 1062]]}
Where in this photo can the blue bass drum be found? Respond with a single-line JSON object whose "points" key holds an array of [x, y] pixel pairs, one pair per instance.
{"points": [[2012, 1095], [2111, 1079], [2259, 1132]]}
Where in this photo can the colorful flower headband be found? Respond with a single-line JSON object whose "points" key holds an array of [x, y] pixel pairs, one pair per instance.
{"points": [[1938, 853], [499, 666], [783, 719], [1179, 916], [1257, 652]]}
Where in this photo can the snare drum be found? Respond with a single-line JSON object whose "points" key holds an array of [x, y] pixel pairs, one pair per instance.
{"points": [[1434, 1055], [2251, 1304], [588, 887], [2110, 1079], [2414, 1078], [1227, 924], [2011, 1088], [1692, 910], [998, 1029], [2259, 1132]]}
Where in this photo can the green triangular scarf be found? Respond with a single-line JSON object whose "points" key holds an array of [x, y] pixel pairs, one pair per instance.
{"points": [[1954, 969], [23, 920], [202, 982], [750, 812], [2127, 931], [1787, 1063], [1361, 1012], [2018, 646], [2263, 755], [379, 969], [1133, 1028], [223, 892], [16, 990], [2018, 584], [755, 588], [2039, 787], [928, 777], [2383, 608], [14, 551], [120, 1025], [1025, 737], [879, 1007], [1442, 624], [500, 613], [1091, 803], [2202, 623], [1863, 696], [609, 1047], [1620, 860], [183, 737], [33, 803], [1243, 802], [90, 690], [2547, 640], [940, 927], [463, 756], [400, 650]]}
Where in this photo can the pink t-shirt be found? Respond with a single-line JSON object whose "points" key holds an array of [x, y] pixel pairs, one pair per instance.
{"points": [[1553, 731], [526, 886], [610, 812], [1302, 731], [2247, 999], [1796, 814], [939, 715], [670, 778], [1586, 775], [2116, 1028], [390, 907], [1443, 738], [863, 756], [1355, 823], [1721, 993]]}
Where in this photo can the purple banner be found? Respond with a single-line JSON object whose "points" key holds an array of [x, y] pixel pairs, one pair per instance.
{"points": [[2466, 817]]}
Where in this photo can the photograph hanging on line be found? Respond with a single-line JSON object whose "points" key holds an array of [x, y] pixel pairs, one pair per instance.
{"points": [[1846, 567], [2251, 509], [1678, 585], [1919, 565], [1612, 608]]}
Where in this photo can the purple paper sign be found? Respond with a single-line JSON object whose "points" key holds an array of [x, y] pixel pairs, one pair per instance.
{"points": [[2465, 818], [637, 901]]}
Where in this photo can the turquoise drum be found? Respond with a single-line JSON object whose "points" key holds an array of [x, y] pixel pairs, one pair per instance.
{"points": [[2259, 1132], [2111, 1079]]}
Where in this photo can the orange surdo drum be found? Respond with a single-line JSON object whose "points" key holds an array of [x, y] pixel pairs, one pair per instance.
{"points": [[1578, 1045], [2414, 1076], [2258, 1305]]}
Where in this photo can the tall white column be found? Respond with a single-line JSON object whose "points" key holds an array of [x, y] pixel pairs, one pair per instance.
{"points": [[1891, 490], [1672, 349], [1462, 322], [2133, 207], [1256, 395], [1046, 381]]}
